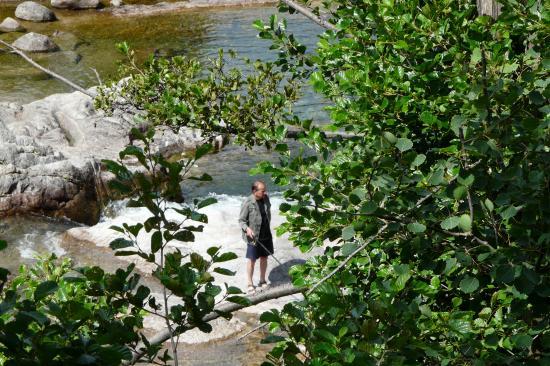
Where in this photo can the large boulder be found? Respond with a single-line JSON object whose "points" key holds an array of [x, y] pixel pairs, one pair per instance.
{"points": [[34, 42], [11, 25], [51, 152], [75, 4], [29, 10]]}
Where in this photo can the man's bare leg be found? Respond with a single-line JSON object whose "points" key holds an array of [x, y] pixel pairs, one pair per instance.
{"points": [[250, 271], [263, 269]]}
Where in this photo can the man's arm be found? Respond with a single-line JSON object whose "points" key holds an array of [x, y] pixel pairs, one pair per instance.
{"points": [[243, 216]]}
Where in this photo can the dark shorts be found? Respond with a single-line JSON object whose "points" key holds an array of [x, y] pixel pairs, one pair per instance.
{"points": [[256, 251]]}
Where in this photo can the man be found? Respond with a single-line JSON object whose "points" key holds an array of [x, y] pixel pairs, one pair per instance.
{"points": [[254, 220]]}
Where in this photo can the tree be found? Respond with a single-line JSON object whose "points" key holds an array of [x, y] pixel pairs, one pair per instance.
{"points": [[436, 213]]}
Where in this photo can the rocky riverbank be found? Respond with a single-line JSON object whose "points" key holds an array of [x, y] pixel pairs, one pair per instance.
{"points": [[51, 149]]}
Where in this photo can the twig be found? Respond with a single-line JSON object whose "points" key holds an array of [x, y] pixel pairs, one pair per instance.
{"points": [[309, 14], [369, 240], [49, 72], [479, 240], [97, 76], [251, 331], [349, 257]]}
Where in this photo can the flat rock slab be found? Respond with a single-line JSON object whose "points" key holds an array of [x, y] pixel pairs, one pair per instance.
{"points": [[34, 12], [75, 4], [11, 25], [35, 42]]}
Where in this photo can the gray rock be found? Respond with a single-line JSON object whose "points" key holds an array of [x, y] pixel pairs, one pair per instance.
{"points": [[34, 42], [75, 4], [116, 3], [11, 25], [50, 153], [67, 41], [29, 10]]}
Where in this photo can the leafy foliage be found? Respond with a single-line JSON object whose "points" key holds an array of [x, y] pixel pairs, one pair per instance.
{"points": [[448, 170], [55, 314], [183, 92]]}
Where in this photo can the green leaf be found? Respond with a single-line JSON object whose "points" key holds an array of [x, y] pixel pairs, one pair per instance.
{"points": [[224, 271], [459, 192], [225, 257], [522, 340], [203, 178], [510, 212], [185, 236], [416, 227], [465, 223], [469, 284], [207, 202], [509, 68], [271, 316], [418, 160], [120, 243], [390, 137], [476, 56], [3, 244], [239, 300], [466, 181], [450, 223], [403, 144], [212, 251], [348, 232], [489, 205], [232, 290], [461, 326], [156, 241], [202, 150], [44, 289]]}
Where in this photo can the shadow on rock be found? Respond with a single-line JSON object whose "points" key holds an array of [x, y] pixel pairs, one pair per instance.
{"points": [[279, 274]]}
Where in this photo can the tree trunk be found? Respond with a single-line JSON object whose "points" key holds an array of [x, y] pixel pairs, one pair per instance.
{"points": [[489, 7]]}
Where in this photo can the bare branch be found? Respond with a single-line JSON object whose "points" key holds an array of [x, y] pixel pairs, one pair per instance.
{"points": [[251, 331], [345, 261], [309, 14], [49, 72], [97, 75]]}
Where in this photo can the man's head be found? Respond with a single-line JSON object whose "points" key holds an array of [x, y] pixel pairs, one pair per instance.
{"points": [[258, 189]]}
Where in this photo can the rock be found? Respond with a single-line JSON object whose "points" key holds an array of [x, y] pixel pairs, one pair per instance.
{"points": [[75, 4], [50, 153], [29, 10], [34, 42], [67, 41], [116, 3], [11, 25]]}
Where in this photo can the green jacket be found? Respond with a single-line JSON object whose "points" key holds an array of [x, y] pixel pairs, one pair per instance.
{"points": [[250, 216]]}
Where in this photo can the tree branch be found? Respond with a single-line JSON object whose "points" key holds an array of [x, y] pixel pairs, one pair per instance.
{"points": [[49, 72], [273, 293], [349, 257], [309, 14]]}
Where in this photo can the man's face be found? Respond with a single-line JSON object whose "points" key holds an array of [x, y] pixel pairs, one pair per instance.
{"points": [[259, 193]]}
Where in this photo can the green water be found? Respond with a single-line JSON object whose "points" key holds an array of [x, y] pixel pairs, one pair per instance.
{"points": [[90, 36]]}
